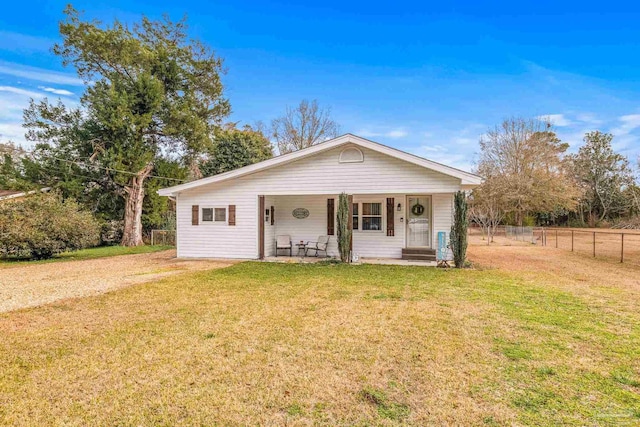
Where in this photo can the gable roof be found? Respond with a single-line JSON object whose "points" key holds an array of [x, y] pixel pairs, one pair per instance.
{"points": [[466, 178]]}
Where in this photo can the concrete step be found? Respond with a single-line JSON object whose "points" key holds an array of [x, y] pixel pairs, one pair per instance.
{"points": [[419, 257], [418, 251]]}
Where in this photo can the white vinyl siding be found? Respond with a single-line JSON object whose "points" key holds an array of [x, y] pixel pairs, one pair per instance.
{"points": [[376, 244], [442, 215], [307, 229], [269, 230], [308, 183]]}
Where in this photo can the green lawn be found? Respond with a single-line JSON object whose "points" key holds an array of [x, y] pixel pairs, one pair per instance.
{"points": [[276, 344], [91, 253]]}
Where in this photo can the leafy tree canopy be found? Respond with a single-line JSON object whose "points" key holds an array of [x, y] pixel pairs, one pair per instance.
{"points": [[152, 93], [234, 148], [605, 178], [524, 161]]}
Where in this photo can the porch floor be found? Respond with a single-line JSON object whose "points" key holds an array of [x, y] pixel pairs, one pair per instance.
{"points": [[378, 261]]}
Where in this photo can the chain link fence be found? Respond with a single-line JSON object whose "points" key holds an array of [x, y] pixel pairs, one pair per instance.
{"points": [[520, 233], [163, 237]]}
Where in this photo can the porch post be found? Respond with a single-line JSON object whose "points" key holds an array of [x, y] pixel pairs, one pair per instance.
{"points": [[350, 221], [261, 227]]}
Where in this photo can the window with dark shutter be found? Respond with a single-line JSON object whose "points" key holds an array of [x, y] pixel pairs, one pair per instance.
{"points": [[371, 217], [232, 215], [330, 217], [207, 214], [390, 210], [220, 214], [195, 213]]}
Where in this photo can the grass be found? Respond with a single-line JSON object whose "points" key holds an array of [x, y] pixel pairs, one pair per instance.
{"points": [[91, 253], [304, 344]]}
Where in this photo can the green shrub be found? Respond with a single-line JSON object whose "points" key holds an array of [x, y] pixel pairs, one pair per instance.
{"points": [[111, 232], [459, 228], [529, 221], [44, 225], [344, 233]]}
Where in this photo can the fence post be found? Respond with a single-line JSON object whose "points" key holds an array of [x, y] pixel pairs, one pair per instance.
{"points": [[571, 240], [594, 244], [152, 236], [622, 248], [556, 238]]}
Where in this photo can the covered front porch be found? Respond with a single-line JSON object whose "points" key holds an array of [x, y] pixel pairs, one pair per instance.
{"points": [[389, 226]]}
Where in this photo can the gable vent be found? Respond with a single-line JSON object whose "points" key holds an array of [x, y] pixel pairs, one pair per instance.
{"points": [[351, 155]]}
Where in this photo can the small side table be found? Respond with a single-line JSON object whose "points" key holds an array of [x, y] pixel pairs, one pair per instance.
{"points": [[301, 247]]}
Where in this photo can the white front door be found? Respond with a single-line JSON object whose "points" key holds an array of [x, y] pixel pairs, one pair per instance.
{"points": [[418, 221]]}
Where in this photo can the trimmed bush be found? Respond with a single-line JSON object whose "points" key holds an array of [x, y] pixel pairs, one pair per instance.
{"points": [[43, 225], [459, 229], [344, 234]]}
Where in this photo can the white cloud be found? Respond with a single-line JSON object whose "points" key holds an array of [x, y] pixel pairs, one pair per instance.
{"points": [[434, 148], [559, 120], [56, 91], [393, 133], [397, 133], [12, 131], [13, 101], [39, 74], [19, 91], [588, 118], [441, 154], [630, 122], [625, 135]]}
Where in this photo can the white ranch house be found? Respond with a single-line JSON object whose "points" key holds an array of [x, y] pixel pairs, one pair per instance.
{"points": [[399, 203]]}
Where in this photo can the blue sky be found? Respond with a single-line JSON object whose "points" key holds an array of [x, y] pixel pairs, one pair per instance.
{"points": [[425, 78]]}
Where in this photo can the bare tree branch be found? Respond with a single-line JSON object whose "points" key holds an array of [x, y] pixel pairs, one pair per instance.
{"points": [[303, 126]]}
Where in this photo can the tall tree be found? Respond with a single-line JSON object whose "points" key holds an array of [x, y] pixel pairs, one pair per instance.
{"points": [[12, 168], [603, 176], [487, 207], [151, 93], [525, 159], [234, 148], [303, 126]]}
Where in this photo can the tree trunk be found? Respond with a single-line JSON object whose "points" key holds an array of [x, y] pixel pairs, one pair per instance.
{"points": [[134, 196]]}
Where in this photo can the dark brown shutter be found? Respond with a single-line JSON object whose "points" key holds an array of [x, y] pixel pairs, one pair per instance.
{"points": [[232, 214], [273, 213], [195, 214], [390, 210], [331, 217]]}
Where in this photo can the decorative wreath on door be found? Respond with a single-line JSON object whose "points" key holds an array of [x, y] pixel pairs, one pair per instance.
{"points": [[417, 209]]}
